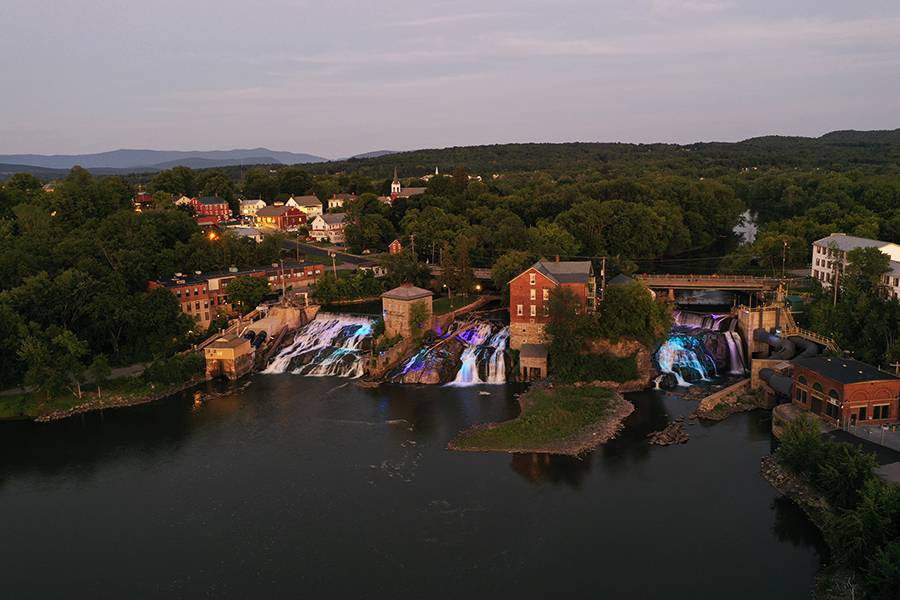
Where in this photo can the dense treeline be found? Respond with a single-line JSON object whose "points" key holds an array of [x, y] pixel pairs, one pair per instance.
{"points": [[74, 268], [864, 525]]}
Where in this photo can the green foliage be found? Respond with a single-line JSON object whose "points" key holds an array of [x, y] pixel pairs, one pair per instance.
{"points": [[630, 311], [551, 419], [387, 343], [361, 284], [418, 318], [404, 267], [801, 445], [175, 369], [508, 266], [246, 292]]}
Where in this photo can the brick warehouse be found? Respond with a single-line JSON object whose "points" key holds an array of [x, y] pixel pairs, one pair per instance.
{"points": [[529, 296], [843, 390]]}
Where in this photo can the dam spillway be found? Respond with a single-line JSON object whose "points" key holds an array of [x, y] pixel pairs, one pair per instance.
{"points": [[701, 347], [332, 345]]}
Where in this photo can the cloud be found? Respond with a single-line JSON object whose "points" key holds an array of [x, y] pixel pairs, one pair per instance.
{"points": [[678, 7]]}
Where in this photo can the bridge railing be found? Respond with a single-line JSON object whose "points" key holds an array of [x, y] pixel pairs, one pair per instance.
{"points": [[712, 277], [811, 335]]}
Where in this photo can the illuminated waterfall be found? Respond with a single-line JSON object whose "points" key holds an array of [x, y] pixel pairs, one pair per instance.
{"points": [[483, 347], [330, 345], [680, 354]]}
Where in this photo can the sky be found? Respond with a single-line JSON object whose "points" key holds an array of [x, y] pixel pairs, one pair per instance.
{"points": [[338, 77]]}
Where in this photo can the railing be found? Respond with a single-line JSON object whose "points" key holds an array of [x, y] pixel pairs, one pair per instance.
{"points": [[811, 335]]}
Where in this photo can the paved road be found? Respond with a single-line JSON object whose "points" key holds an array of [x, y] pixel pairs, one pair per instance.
{"points": [[319, 251], [129, 371]]}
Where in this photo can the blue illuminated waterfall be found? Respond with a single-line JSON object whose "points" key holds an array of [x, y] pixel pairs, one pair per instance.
{"points": [[701, 347]]}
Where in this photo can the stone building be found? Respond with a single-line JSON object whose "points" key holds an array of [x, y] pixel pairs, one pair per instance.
{"points": [[398, 310], [845, 391], [229, 356], [529, 296], [532, 361]]}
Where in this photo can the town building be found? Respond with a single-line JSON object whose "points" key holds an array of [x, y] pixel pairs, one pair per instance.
{"points": [[328, 227], [338, 200], [229, 356], [211, 206], [829, 260], [400, 313], [250, 207], [398, 191], [395, 247], [309, 205], [529, 296], [185, 201], [203, 295], [282, 218], [141, 201], [247, 232], [845, 391], [532, 361]]}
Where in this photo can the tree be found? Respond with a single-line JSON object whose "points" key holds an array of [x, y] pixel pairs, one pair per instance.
{"points": [[404, 267], [568, 328], [247, 292], [98, 371], [801, 445], [508, 266], [630, 311]]}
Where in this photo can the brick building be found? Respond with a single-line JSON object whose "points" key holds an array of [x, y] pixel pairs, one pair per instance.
{"points": [[210, 206], [283, 218], [395, 247], [203, 295], [843, 390], [529, 296]]}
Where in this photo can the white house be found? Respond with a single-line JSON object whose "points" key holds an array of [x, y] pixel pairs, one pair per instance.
{"points": [[310, 205], [249, 207], [184, 201], [338, 200], [830, 254], [328, 227]]}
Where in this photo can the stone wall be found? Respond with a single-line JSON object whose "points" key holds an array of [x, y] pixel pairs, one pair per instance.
{"points": [[729, 394], [526, 333], [623, 349]]}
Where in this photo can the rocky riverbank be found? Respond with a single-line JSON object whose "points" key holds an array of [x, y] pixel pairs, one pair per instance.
{"points": [[568, 420], [117, 401], [674, 433]]}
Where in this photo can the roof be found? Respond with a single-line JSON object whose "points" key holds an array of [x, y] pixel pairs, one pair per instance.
{"points": [[343, 196], [252, 202], [210, 200], [229, 341], [245, 231], [412, 191], [274, 211], [333, 218], [844, 370], [846, 243], [306, 200], [195, 279], [567, 271], [406, 292], [533, 351]]}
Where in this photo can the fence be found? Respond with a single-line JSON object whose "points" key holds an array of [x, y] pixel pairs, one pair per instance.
{"points": [[887, 436]]}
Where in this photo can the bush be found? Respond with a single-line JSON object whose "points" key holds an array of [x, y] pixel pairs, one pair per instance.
{"points": [[175, 369], [597, 367], [801, 445]]}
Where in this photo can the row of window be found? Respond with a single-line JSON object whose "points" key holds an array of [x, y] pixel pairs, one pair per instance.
{"points": [[880, 411], [824, 263], [828, 251], [823, 276], [520, 310]]}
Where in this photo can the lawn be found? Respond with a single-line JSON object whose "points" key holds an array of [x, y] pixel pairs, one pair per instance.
{"points": [[551, 419], [442, 305]]}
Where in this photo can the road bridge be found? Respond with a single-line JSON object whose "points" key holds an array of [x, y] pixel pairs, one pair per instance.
{"points": [[743, 283], [482, 274]]}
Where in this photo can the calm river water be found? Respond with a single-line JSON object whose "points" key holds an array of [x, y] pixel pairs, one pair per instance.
{"points": [[294, 487]]}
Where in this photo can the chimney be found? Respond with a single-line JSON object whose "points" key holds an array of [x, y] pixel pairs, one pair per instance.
{"points": [[557, 258]]}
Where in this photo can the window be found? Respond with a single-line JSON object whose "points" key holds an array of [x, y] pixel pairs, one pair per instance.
{"points": [[533, 310], [519, 310], [533, 294], [532, 278], [546, 294], [882, 411], [831, 410], [834, 396], [817, 386], [802, 380], [862, 413]]}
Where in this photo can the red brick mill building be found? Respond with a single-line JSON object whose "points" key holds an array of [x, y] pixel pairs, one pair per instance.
{"points": [[845, 391]]}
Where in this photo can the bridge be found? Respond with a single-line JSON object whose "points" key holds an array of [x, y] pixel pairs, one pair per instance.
{"points": [[744, 283]]}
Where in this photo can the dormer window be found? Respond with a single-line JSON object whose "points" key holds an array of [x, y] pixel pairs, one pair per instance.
{"points": [[532, 278]]}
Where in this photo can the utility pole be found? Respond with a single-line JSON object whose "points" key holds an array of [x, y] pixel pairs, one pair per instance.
{"points": [[333, 263], [602, 279], [896, 366], [783, 257], [298, 246], [281, 260], [412, 241]]}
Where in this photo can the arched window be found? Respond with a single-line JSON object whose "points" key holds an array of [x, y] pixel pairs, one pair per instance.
{"points": [[817, 386], [802, 380], [834, 395]]}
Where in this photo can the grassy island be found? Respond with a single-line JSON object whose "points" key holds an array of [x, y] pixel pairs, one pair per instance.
{"points": [[560, 420]]}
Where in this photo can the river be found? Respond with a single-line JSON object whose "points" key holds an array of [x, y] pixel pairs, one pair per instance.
{"points": [[287, 486]]}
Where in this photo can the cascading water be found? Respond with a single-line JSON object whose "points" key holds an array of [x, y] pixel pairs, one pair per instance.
{"points": [[484, 347], [700, 347], [331, 345]]}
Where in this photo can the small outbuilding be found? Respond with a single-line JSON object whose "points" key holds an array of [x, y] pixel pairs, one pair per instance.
{"points": [[407, 311], [229, 356], [533, 361]]}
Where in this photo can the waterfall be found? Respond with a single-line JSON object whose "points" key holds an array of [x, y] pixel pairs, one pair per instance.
{"points": [[497, 362], [680, 354], [735, 352], [330, 345], [712, 322], [473, 338]]}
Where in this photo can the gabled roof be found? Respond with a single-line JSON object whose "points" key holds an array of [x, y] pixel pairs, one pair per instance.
{"points": [[332, 218], [210, 200], [306, 200], [406, 292], [412, 191], [844, 370], [252, 202], [620, 279], [343, 196], [567, 271]]}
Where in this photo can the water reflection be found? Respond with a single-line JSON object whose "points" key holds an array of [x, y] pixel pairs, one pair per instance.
{"points": [[552, 468]]}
